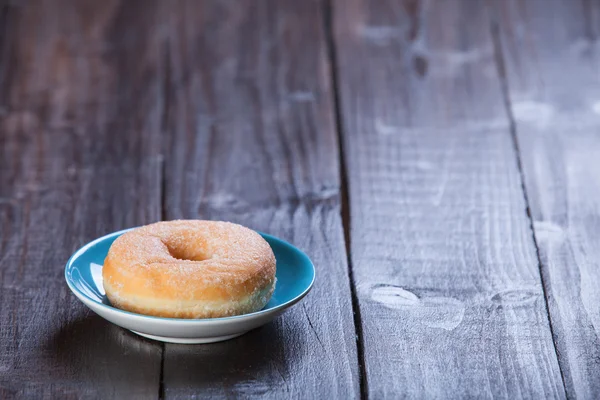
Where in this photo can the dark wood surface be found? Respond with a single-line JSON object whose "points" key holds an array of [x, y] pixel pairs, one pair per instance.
{"points": [[554, 95], [251, 139], [436, 159], [444, 262], [79, 157]]}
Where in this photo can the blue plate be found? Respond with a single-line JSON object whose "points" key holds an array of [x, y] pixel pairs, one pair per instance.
{"points": [[295, 277]]}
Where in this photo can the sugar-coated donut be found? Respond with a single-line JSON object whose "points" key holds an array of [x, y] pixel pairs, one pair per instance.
{"points": [[190, 269]]}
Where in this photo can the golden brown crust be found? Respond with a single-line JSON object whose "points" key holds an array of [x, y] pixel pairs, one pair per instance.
{"points": [[190, 269]]}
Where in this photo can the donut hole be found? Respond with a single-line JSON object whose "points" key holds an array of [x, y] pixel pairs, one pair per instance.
{"points": [[186, 253]]}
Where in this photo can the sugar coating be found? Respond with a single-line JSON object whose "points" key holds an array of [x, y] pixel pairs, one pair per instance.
{"points": [[190, 269]]}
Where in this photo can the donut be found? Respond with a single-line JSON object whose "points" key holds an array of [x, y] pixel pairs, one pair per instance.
{"points": [[189, 269]]}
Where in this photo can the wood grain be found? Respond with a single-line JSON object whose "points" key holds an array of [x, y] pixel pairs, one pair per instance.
{"points": [[251, 139], [79, 157], [122, 113], [442, 252], [550, 50]]}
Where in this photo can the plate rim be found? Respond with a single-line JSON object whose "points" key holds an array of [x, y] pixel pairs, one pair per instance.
{"points": [[79, 294]]}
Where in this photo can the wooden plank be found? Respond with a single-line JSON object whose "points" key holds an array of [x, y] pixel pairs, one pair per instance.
{"points": [[252, 140], [79, 157], [443, 257], [550, 49]]}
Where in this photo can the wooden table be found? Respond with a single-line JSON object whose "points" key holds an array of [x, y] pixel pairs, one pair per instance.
{"points": [[438, 160]]}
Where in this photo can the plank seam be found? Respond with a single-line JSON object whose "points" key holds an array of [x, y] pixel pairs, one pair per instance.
{"points": [[501, 69], [161, 383], [328, 24], [164, 125]]}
